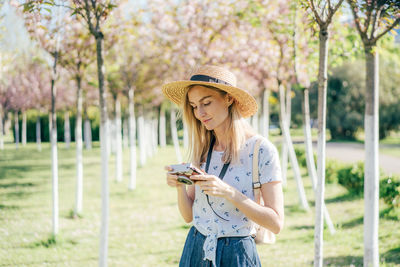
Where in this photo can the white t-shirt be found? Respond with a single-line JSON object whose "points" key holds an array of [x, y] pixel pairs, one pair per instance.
{"points": [[238, 175]]}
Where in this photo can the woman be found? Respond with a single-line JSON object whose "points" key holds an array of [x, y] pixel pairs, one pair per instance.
{"points": [[221, 201]]}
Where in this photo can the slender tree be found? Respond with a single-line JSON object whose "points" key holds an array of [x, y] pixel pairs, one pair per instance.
{"points": [[373, 19], [302, 68], [323, 12], [79, 49]]}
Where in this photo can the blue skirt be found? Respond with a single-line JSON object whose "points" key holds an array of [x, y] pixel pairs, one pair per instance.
{"points": [[231, 251]]}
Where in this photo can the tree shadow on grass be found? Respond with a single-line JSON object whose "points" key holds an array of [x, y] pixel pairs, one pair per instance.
{"points": [[293, 209], [389, 214], [302, 227], [19, 172], [344, 261], [383, 214], [343, 198], [391, 256], [9, 207], [14, 184], [353, 223], [17, 195], [11, 171]]}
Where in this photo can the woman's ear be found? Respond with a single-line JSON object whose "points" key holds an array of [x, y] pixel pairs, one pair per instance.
{"points": [[229, 99]]}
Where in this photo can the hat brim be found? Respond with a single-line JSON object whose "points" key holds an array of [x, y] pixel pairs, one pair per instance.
{"points": [[246, 103]]}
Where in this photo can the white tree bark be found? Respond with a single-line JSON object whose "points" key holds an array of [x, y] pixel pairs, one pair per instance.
{"points": [[88, 134], [38, 134], [285, 155], [1, 129], [371, 169], [162, 133], [23, 133], [148, 138], [142, 140], [292, 154], [155, 135], [54, 152], [132, 141], [16, 129], [174, 133], [79, 148], [265, 114], [67, 130], [104, 147], [312, 172], [125, 133], [50, 126], [319, 200], [112, 148], [254, 121], [54, 168], [118, 143]]}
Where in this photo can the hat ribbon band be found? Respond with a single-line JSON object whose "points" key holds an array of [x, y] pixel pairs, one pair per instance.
{"points": [[206, 78]]}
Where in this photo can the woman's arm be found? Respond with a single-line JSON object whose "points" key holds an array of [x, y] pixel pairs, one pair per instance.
{"points": [[185, 195], [271, 215], [185, 201]]}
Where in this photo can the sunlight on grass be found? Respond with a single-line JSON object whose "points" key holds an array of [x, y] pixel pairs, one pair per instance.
{"points": [[145, 228]]}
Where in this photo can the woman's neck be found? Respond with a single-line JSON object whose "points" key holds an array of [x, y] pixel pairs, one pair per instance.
{"points": [[220, 143]]}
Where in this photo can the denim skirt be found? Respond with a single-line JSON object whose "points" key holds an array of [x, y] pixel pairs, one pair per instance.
{"points": [[231, 251]]}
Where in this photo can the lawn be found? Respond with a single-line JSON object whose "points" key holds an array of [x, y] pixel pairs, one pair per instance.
{"points": [[145, 228]]}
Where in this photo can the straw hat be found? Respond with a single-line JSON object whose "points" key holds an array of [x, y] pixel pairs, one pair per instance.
{"points": [[217, 77]]}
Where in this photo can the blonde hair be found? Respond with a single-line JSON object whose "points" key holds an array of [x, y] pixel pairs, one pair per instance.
{"points": [[200, 137]]}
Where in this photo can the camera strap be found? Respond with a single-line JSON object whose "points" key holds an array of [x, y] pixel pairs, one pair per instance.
{"points": [[221, 174], [224, 168]]}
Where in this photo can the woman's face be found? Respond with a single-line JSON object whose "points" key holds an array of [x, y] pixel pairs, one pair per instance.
{"points": [[209, 106]]}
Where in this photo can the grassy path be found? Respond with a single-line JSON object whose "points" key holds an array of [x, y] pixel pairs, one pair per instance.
{"points": [[145, 226]]}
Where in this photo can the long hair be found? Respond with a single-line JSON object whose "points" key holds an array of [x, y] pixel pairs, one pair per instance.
{"points": [[200, 137]]}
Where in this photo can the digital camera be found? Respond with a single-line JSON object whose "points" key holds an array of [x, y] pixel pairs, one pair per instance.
{"points": [[184, 171]]}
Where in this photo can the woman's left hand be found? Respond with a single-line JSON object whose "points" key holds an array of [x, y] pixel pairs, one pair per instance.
{"points": [[212, 185]]}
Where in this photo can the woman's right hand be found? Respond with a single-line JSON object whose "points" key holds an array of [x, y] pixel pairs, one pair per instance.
{"points": [[171, 178]]}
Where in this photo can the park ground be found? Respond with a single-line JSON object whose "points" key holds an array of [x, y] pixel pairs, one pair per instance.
{"points": [[145, 228]]}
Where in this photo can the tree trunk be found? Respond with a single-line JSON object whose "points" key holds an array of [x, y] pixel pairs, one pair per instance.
{"points": [[162, 133], [312, 172], [16, 129], [38, 134], [142, 139], [88, 134], [54, 153], [104, 137], [112, 148], [1, 129], [50, 126], [118, 156], [254, 120], [371, 171], [284, 151], [174, 133], [79, 156], [265, 110], [67, 130], [292, 154], [125, 133], [23, 133], [155, 135], [132, 141], [322, 91], [148, 137]]}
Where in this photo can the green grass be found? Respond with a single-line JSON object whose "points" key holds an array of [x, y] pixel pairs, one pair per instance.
{"points": [[145, 228]]}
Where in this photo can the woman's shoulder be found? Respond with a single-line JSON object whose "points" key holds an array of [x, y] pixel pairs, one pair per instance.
{"points": [[265, 143]]}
